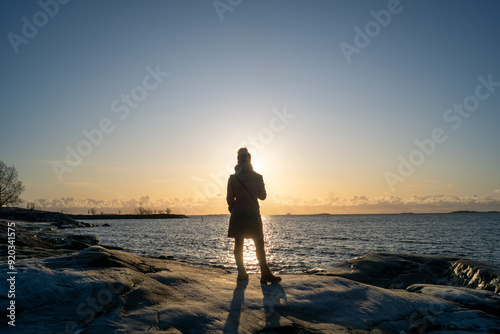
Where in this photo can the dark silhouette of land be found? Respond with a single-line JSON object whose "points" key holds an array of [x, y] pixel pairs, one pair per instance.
{"points": [[58, 219], [128, 216], [469, 211], [68, 219]]}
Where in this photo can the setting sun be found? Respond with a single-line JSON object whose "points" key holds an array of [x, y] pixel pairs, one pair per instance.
{"points": [[332, 125]]}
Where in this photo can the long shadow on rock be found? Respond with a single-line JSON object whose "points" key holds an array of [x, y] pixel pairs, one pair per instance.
{"points": [[233, 319], [273, 294]]}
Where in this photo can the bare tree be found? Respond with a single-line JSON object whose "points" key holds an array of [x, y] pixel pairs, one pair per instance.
{"points": [[10, 187], [142, 211], [168, 211]]}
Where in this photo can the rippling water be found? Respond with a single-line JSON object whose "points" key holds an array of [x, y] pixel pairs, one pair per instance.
{"points": [[294, 243]]}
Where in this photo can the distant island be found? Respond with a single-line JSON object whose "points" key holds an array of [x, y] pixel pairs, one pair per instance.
{"points": [[467, 211]]}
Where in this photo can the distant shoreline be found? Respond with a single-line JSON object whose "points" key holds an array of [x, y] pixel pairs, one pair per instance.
{"points": [[467, 211], [126, 216], [393, 213]]}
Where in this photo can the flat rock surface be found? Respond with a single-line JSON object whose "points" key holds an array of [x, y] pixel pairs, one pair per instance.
{"points": [[99, 290]]}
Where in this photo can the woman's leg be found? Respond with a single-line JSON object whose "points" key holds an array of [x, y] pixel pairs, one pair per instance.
{"points": [[238, 256], [261, 256], [266, 274]]}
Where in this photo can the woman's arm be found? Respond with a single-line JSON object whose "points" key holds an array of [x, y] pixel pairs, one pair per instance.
{"points": [[261, 190], [230, 194]]}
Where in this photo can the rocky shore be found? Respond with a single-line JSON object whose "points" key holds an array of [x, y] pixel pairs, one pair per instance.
{"points": [[38, 234], [56, 219], [69, 285]]}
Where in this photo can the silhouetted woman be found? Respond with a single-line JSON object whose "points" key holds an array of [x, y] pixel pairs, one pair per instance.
{"points": [[243, 189]]}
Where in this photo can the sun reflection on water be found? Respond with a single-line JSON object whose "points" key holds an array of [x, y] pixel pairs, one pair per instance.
{"points": [[295, 243], [249, 255], [249, 251]]}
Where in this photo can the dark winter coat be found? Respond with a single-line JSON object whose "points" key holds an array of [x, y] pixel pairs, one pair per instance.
{"points": [[243, 189]]}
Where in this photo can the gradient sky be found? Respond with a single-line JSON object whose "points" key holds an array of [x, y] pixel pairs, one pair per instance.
{"points": [[327, 128]]}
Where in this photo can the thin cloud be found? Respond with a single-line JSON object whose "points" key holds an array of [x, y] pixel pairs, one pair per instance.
{"points": [[280, 204], [390, 204]]}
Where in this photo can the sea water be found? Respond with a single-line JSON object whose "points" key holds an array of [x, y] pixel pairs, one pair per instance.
{"points": [[300, 242]]}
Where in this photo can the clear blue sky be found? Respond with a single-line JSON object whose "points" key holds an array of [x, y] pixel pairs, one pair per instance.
{"points": [[231, 75]]}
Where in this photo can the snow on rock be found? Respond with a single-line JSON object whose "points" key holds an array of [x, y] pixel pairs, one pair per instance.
{"points": [[98, 290], [398, 271]]}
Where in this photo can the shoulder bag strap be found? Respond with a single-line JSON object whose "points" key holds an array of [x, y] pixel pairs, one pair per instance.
{"points": [[255, 198]]}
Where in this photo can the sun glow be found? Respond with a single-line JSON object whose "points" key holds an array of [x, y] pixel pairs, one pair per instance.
{"points": [[259, 167]]}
